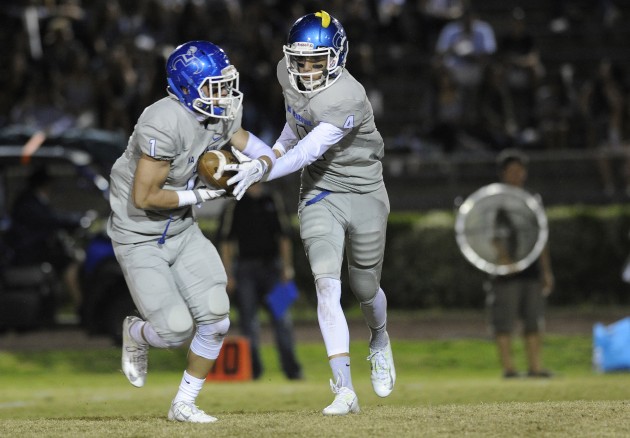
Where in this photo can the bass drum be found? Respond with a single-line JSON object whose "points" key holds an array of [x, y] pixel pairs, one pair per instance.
{"points": [[501, 229]]}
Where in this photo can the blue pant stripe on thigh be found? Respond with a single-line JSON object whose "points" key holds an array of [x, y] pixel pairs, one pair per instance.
{"points": [[321, 195]]}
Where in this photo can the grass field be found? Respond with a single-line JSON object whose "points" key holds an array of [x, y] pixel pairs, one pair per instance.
{"points": [[444, 388]]}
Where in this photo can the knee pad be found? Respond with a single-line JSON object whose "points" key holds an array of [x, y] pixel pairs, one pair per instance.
{"points": [[217, 303], [324, 259], [171, 331], [364, 282], [208, 339]]}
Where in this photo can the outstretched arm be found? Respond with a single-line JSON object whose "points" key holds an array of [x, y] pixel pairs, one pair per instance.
{"points": [[306, 151]]}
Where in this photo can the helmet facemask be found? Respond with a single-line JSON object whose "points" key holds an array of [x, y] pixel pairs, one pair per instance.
{"points": [[297, 54], [224, 97]]}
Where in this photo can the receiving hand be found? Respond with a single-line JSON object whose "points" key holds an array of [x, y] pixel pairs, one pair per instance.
{"points": [[249, 173]]}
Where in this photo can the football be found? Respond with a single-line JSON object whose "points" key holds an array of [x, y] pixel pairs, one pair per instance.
{"points": [[210, 169]]}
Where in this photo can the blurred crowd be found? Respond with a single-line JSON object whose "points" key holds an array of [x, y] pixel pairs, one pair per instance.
{"points": [[99, 63], [489, 84]]}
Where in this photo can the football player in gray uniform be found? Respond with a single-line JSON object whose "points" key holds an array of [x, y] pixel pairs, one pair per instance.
{"points": [[174, 273], [331, 135]]}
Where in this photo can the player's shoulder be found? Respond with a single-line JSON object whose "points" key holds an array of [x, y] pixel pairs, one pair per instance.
{"points": [[346, 87], [346, 93], [165, 111]]}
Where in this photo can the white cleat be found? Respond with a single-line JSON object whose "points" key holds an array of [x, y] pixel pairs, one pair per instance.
{"points": [[135, 356], [188, 412], [345, 402], [383, 371]]}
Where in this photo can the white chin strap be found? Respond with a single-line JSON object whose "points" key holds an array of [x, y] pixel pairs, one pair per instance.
{"points": [[311, 84]]}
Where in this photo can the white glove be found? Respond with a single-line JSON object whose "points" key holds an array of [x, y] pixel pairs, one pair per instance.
{"points": [[249, 172], [241, 157], [197, 196], [207, 194]]}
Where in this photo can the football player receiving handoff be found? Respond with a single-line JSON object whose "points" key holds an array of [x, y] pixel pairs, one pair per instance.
{"points": [[174, 273], [330, 133]]}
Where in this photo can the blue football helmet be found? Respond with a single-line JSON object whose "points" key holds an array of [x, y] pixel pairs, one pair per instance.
{"points": [[313, 37], [200, 75]]}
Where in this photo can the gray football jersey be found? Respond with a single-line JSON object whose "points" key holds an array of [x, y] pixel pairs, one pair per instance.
{"points": [[166, 130], [353, 164]]}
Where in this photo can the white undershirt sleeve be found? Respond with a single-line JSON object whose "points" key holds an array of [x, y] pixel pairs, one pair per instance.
{"points": [[256, 148], [307, 150], [286, 141]]}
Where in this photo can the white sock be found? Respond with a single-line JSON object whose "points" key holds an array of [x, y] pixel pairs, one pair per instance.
{"points": [[340, 366], [189, 388]]}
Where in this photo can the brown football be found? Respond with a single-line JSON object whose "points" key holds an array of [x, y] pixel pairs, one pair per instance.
{"points": [[208, 169]]}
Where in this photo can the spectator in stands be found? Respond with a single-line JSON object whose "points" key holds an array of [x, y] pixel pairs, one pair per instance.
{"points": [[361, 26], [465, 47], [118, 85], [435, 14], [604, 107], [497, 125], [524, 71], [42, 108], [78, 90], [443, 112], [557, 109]]}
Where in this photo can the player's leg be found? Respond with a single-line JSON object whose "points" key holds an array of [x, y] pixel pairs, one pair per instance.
{"points": [[365, 249], [165, 320], [201, 281], [323, 236]]}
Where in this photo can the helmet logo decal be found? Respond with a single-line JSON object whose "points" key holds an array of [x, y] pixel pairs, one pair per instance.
{"points": [[325, 16], [188, 59], [338, 40]]}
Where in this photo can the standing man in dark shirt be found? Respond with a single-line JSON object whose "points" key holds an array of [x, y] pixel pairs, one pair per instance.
{"points": [[256, 248], [522, 294]]}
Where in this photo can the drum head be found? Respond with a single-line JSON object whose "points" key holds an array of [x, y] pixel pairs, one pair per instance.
{"points": [[501, 229]]}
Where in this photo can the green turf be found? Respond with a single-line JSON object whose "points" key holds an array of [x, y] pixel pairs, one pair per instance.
{"points": [[444, 388]]}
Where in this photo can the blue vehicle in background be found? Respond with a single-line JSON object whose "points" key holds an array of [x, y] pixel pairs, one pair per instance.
{"points": [[32, 297]]}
